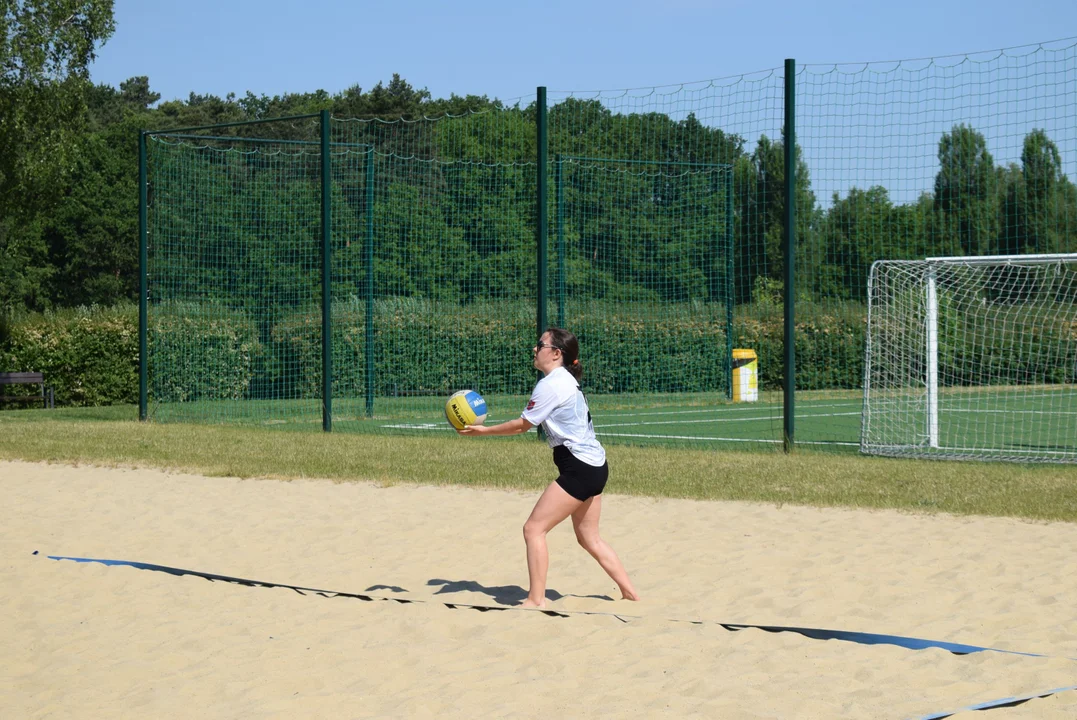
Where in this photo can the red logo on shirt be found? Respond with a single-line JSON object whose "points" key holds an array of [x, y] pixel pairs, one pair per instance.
{"points": [[530, 404]]}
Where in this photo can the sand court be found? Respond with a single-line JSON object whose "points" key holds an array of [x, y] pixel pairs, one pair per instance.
{"points": [[86, 640]]}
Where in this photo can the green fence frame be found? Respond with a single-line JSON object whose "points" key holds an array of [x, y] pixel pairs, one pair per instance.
{"points": [[541, 241]]}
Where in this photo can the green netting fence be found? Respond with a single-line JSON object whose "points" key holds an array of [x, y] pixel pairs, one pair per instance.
{"points": [[651, 222]]}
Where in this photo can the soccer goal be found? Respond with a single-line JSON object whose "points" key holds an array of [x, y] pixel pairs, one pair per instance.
{"points": [[972, 358]]}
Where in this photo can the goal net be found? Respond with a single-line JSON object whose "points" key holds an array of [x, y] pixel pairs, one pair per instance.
{"points": [[972, 358]]}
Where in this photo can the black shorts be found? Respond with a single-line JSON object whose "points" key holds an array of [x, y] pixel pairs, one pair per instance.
{"points": [[577, 478]]}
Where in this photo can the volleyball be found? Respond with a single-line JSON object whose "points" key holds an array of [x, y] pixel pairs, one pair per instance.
{"points": [[465, 407]]}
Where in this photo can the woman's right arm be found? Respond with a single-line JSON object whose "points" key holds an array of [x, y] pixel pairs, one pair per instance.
{"points": [[511, 427]]}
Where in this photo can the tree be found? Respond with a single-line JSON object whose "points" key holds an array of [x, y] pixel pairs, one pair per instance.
{"points": [[1011, 211], [198, 110], [965, 192], [45, 50], [1065, 211], [91, 234], [46, 47], [760, 207], [853, 236], [136, 94], [398, 99], [1041, 170]]}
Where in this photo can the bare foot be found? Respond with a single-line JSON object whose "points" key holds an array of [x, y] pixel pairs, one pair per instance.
{"points": [[529, 603], [629, 595]]}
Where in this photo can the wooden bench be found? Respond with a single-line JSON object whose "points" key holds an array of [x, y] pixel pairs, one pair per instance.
{"points": [[27, 378]]}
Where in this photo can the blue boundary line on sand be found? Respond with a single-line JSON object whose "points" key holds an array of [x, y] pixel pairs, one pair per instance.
{"points": [[995, 704], [861, 638]]}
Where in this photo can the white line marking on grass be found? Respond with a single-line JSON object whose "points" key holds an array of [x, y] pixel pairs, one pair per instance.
{"points": [[685, 437], [970, 452], [1005, 412], [725, 439], [814, 406], [724, 409], [440, 427], [635, 413], [718, 420]]}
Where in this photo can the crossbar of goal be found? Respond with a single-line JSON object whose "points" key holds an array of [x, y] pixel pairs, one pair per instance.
{"points": [[1011, 259]]}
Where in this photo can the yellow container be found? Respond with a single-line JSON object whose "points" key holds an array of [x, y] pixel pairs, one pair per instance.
{"points": [[745, 376]]}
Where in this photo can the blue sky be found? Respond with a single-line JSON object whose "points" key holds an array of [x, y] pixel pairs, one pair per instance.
{"points": [[506, 48], [856, 127]]}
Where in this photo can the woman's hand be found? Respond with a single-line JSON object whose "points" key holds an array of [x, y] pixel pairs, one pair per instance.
{"points": [[474, 430]]}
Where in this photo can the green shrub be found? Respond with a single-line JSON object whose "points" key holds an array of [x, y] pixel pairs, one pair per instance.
{"points": [[293, 367], [89, 356], [201, 351], [829, 344], [424, 347]]}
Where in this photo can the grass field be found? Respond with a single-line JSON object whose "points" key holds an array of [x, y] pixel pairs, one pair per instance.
{"points": [[112, 436], [832, 422], [1013, 422], [1007, 422], [705, 420]]}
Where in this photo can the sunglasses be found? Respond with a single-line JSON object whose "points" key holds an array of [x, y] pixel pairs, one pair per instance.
{"points": [[539, 346]]}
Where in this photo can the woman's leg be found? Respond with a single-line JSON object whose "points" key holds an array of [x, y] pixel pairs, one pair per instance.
{"points": [[553, 506], [585, 522]]}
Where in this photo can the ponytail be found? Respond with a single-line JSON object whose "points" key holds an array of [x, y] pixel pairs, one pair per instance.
{"points": [[576, 369], [570, 350]]}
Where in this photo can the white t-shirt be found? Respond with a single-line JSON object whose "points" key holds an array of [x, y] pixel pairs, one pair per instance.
{"points": [[560, 407]]}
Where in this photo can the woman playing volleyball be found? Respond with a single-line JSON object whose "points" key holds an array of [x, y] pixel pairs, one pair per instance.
{"points": [[559, 406]]}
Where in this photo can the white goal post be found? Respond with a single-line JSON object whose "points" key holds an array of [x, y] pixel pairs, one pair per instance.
{"points": [[972, 358]]}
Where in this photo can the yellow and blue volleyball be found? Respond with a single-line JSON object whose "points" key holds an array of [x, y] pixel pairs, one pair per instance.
{"points": [[465, 407]]}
